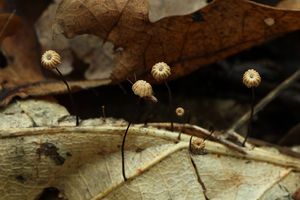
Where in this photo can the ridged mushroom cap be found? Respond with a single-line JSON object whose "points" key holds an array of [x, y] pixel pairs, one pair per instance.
{"points": [[142, 89], [251, 78], [179, 111], [50, 59], [160, 71]]}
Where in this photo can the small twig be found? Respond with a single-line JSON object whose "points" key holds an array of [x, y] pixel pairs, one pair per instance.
{"points": [[7, 22], [201, 132], [129, 81], [266, 100]]}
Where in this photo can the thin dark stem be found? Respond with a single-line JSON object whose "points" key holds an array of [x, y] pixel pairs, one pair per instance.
{"points": [[74, 108], [207, 137], [188, 116], [249, 131], [124, 139], [123, 152], [266, 100], [170, 105], [129, 81], [190, 144], [122, 88], [103, 113], [187, 121], [147, 115]]}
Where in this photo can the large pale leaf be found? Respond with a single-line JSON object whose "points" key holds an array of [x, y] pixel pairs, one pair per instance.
{"points": [[40, 147]]}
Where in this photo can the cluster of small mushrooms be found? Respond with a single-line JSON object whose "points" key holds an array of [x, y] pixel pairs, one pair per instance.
{"points": [[160, 72]]}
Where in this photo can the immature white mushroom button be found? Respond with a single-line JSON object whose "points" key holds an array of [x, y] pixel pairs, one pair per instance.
{"points": [[179, 111]]}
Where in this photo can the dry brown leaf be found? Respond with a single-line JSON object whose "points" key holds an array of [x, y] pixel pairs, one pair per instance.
{"points": [[23, 76], [217, 30], [84, 162], [19, 45], [220, 29], [9, 23], [47, 87], [88, 48]]}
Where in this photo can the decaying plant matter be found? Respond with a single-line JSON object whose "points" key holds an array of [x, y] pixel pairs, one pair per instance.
{"points": [[41, 147], [221, 29], [202, 34], [157, 162]]}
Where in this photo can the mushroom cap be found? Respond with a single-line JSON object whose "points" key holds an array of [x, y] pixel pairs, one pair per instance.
{"points": [[251, 78], [198, 144], [50, 59], [179, 111], [161, 71], [142, 89]]}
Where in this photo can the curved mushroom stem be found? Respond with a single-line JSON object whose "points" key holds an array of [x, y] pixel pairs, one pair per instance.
{"points": [[249, 131], [186, 121], [103, 113], [170, 105], [123, 152], [190, 144], [74, 108], [124, 139], [211, 130]]}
